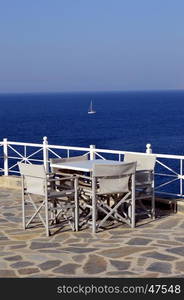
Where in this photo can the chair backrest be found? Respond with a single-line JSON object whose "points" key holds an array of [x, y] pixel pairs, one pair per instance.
{"points": [[34, 178], [68, 159], [145, 167], [144, 161], [115, 178]]}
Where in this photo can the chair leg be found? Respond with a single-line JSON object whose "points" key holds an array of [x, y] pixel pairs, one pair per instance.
{"points": [[23, 205], [46, 216], [130, 213], [94, 208], [133, 202], [76, 205], [153, 205], [53, 211], [23, 213]]}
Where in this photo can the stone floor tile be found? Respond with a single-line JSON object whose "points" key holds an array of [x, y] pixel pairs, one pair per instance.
{"points": [[3, 265], [4, 273], [37, 258], [79, 250], [95, 264], [169, 223], [172, 243], [139, 241], [160, 267], [5, 253], [153, 236], [49, 264], [121, 274], [120, 265], [78, 258], [177, 250], [16, 247], [67, 269], [160, 256], [28, 271], [47, 251], [41, 245], [141, 261], [8, 215], [180, 266], [13, 258], [21, 264], [123, 251], [149, 275], [180, 239], [83, 235]]}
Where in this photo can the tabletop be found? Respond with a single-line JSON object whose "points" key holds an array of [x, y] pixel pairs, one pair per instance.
{"points": [[83, 165]]}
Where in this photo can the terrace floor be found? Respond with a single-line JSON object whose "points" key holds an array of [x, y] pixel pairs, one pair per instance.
{"points": [[153, 249]]}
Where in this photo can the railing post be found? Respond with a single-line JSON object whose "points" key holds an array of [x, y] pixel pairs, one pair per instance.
{"points": [[45, 154], [5, 151], [181, 177], [148, 149], [92, 152]]}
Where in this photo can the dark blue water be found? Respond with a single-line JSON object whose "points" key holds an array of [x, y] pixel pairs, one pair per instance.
{"points": [[124, 120]]}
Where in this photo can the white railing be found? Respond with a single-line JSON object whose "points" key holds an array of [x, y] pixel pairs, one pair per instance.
{"points": [[169, 169]]}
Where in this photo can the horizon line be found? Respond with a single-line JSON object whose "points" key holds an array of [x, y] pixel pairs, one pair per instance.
{"points": [[90, 91]]}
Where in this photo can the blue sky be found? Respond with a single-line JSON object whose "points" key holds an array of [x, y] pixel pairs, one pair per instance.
{"points": [[91, 45]]}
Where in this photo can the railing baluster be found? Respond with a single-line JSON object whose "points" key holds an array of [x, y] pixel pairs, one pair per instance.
{"points": [[25, 154], [181, 175], [45, 153], [92, 152], [5, 150], [148, 148]]}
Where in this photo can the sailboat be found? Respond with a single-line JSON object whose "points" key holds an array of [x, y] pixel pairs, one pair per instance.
{"points": [[91, 111]]}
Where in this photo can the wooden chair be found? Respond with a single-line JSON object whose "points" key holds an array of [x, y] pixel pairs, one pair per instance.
{"points": [[144, 180], [49, 206]]}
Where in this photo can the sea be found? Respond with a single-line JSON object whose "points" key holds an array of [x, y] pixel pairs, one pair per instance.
{"points": [[123, 121]]}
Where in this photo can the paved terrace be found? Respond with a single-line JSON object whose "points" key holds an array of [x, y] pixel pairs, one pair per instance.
{"points": [[154, 249]]}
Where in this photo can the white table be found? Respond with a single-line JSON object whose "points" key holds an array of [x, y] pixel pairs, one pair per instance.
{"points": [[83, 165], [86, 166]]}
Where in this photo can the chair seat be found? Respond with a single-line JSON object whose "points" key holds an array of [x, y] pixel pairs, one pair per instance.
{"points": [[61, 193]]}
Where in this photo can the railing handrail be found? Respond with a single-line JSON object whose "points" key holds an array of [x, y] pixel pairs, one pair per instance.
{"points": [[172, 156], [101, 150], [49, 146]]}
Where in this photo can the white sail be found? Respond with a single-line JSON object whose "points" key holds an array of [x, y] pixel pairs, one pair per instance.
{"points": [[91, 111]]}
